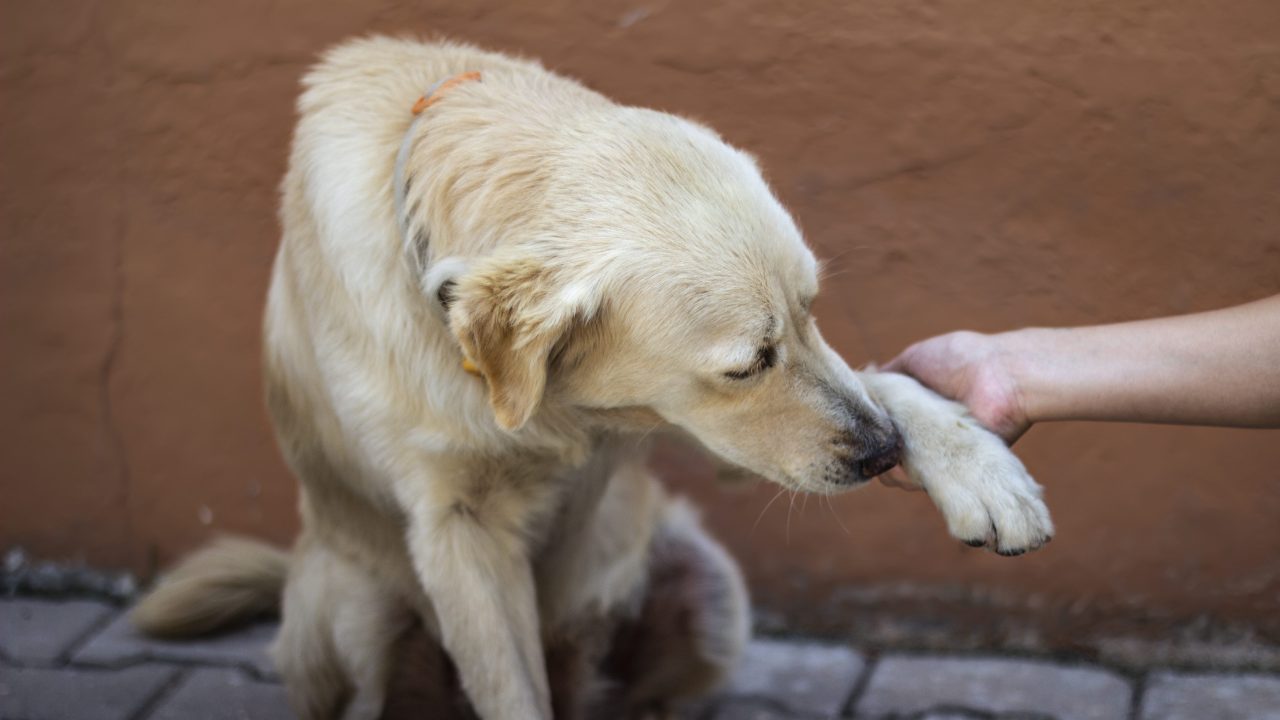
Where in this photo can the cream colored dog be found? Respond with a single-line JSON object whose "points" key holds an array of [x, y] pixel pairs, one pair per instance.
{"points": [[607, 270]]}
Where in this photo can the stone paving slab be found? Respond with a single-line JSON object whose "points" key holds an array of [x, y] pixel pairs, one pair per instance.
{"points": [[78, 694], [223, 694], [39, 632], [907, 684], [749, 710], [1184, 696], [76, 661], [804, 678], [121, 644]]}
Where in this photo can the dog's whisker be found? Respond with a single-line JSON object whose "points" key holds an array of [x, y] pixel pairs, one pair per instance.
{"points": [[832, 508], [649, 432], [766, 509], [838, 273], [841, 255], [790, 507]]}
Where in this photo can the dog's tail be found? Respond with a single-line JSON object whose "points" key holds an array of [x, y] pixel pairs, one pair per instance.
{"points": [[230, 581]]}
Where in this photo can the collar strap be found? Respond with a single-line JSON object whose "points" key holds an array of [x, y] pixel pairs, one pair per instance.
{"points": [[437, 91], [432, 96]]}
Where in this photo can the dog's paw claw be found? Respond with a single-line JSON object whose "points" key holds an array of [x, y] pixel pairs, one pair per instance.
{"points": [[989, 499]]}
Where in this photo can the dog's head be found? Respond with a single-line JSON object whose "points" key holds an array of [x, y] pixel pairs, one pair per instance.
{"points": [[666, 283]]}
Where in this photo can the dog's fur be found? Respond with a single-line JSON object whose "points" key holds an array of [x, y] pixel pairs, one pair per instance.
{"points": [[609, 270]]}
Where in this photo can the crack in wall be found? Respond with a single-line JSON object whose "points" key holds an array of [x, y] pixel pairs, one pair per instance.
{"points": [[116, 339]]}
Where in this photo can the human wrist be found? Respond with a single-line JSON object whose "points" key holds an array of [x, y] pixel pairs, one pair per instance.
{"points": [[1024, 358]]}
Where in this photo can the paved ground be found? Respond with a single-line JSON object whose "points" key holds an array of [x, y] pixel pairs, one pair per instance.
{"points": [[80, 660]]}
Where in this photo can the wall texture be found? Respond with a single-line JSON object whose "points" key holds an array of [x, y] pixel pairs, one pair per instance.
{"points": [[961, 164]]}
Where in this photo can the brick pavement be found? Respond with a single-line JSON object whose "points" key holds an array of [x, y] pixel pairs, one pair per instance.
{"points": [[80, 660]]}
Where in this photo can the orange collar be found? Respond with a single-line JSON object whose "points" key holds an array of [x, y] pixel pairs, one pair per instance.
{"points": [[433, 95], [401, 188]]}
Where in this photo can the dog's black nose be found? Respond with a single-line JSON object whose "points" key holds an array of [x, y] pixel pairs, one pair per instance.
{"points": [[881, 460]]}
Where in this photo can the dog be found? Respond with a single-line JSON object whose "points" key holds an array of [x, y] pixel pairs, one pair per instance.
{"points": [[493, 284]]}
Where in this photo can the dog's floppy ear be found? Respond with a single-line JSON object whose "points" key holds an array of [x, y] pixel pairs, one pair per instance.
{"points": [[510, 313]]}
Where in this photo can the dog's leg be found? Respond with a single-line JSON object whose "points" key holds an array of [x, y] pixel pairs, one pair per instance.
{"points": [[367, 621], [979, 486], [470, 553], [303, 651]]}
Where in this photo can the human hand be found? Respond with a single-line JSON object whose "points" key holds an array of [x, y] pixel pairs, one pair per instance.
{"points": [[972, 369]]}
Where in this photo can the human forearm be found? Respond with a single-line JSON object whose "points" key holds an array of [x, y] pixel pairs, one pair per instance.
{"points": [[1214, 368]]}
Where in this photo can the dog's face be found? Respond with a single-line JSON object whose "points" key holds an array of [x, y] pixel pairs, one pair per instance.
{"points": [[681, 295]]}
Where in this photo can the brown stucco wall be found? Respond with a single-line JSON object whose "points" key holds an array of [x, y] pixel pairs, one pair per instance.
{"points": [[962, 164]]}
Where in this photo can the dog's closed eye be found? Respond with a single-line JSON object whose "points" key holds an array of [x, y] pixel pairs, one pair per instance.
{"points": [[766, 358]]}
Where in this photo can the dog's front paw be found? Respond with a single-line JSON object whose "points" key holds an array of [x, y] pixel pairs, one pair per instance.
{"points": [[989, 499]]}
